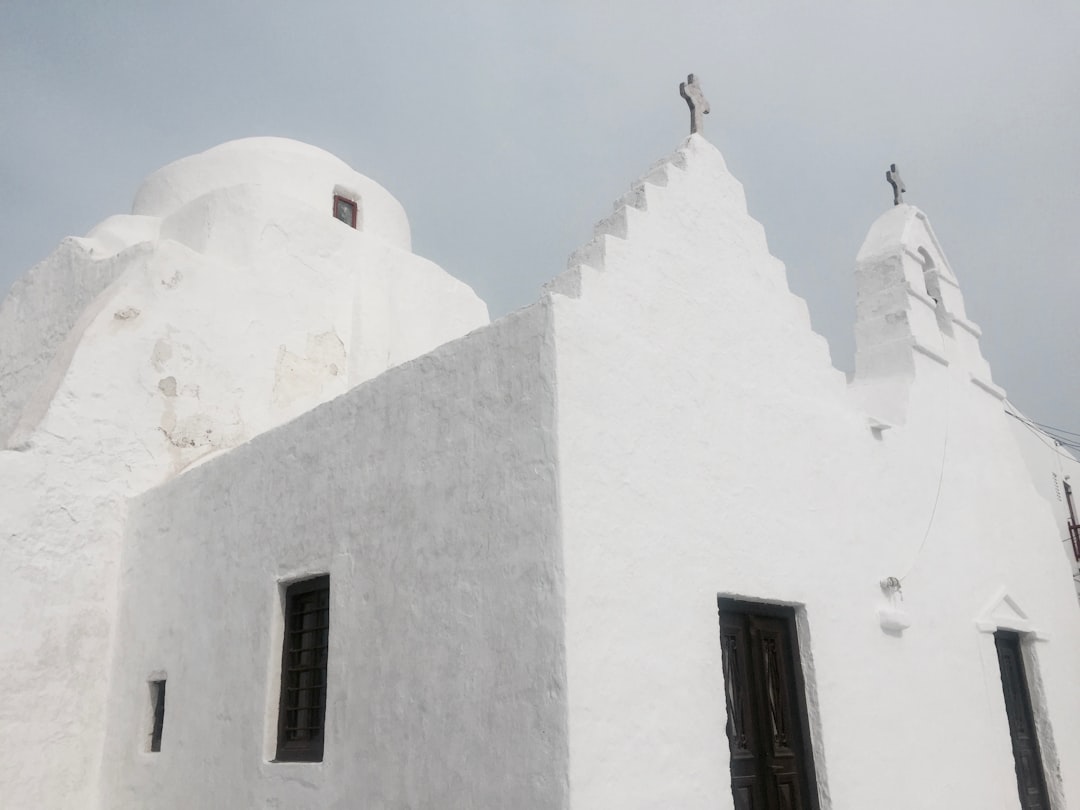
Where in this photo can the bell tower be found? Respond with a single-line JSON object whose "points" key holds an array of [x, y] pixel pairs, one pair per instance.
{"points": [[910, 314]]}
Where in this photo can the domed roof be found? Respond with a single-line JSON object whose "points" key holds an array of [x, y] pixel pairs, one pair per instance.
{"points": [[305, 173]]}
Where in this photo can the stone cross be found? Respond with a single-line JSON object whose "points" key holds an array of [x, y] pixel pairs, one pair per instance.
{"points": [[893, 176], [695, 99]]}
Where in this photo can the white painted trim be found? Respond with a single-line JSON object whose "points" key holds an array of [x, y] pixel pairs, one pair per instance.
{"points": [[993, 390], [937, 246], [933, 355], [813, 705], [1044, 731], [967, 326], [921, 296], [272, 696], [914, 254], [991, 618], [757, 599]]}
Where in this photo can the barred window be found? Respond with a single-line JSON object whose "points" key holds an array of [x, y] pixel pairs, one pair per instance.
{"points": [[303, 671]]}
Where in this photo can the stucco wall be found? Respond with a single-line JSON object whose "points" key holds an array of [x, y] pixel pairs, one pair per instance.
{"points": [[151, 344], [708, 447], [429, 495], [37, 315], [526, 529], [1051, 467], [311, 175]]}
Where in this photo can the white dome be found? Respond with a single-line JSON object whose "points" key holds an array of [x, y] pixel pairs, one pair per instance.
{"points": [[304, 173]]}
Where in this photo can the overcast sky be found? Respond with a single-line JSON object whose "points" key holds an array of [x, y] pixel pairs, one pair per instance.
{"points": [[507, 128]]}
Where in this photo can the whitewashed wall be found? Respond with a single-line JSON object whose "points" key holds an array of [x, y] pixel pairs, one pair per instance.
{"points": [[212, 314], [429, 495], [526, 529], [708, 447], [1051, 467]]}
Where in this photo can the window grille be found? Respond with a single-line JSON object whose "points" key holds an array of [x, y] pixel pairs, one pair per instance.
{"points": [[303, 671]]}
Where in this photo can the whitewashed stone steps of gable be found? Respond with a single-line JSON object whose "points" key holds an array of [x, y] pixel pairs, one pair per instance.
{"points": [[736, 240], [629, 210]]}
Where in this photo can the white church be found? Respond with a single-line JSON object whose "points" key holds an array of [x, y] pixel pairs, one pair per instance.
{"points": [[288, 523]]}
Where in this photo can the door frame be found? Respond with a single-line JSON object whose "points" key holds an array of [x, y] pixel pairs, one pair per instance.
{"points": [[1003, 611], [789, 614], [1015, 642]]}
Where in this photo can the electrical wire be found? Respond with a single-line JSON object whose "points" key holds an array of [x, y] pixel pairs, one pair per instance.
{"points": [[1060, 438], [937, 495], [1034, 427], [1039, 434], [1055, 429]]}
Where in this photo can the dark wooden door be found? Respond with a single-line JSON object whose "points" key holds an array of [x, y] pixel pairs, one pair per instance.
{"points": [[1025, 740], [771, 765]]}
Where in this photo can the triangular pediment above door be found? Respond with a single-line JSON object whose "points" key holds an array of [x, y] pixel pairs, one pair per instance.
{"points": [[1003, 612]]}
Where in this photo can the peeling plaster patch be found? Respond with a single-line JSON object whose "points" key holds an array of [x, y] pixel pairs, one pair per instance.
{"points": [[161, 355], [168, 422], [126, 314], [296, 376], [193, 431], [178, 440], [167, 386]]}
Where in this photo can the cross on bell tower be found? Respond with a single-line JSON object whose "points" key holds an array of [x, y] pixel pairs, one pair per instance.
{"points": [[893, 176], [695, 100]]}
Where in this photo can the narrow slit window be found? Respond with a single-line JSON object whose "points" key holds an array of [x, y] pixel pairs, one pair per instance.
{"points": [[302, 709], [157, 704], [345, 210]]}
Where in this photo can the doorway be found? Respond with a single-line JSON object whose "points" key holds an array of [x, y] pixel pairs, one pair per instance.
{"points": [[768, 732], [1027, 757]]}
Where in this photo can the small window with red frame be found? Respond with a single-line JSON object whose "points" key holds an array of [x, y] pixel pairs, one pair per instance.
{"points": [[345, 210]]}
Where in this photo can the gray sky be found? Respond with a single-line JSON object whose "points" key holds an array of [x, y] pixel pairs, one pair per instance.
{"points": [[507, 128]]}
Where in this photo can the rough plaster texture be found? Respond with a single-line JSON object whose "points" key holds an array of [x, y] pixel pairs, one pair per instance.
{"points": [[707, 446], [309, 175], [527, 528], [38, 314], [230, 302], [429, 495], [1051, 467]]}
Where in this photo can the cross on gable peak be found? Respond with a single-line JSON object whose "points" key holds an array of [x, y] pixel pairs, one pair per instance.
{"points": [[696, 101]]}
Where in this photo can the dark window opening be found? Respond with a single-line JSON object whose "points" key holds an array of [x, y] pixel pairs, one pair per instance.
{"points": [[772, 764], [930, 280], [157, 701], [302, 709], [345, 210], [1073, 525], [1027, 758]]}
